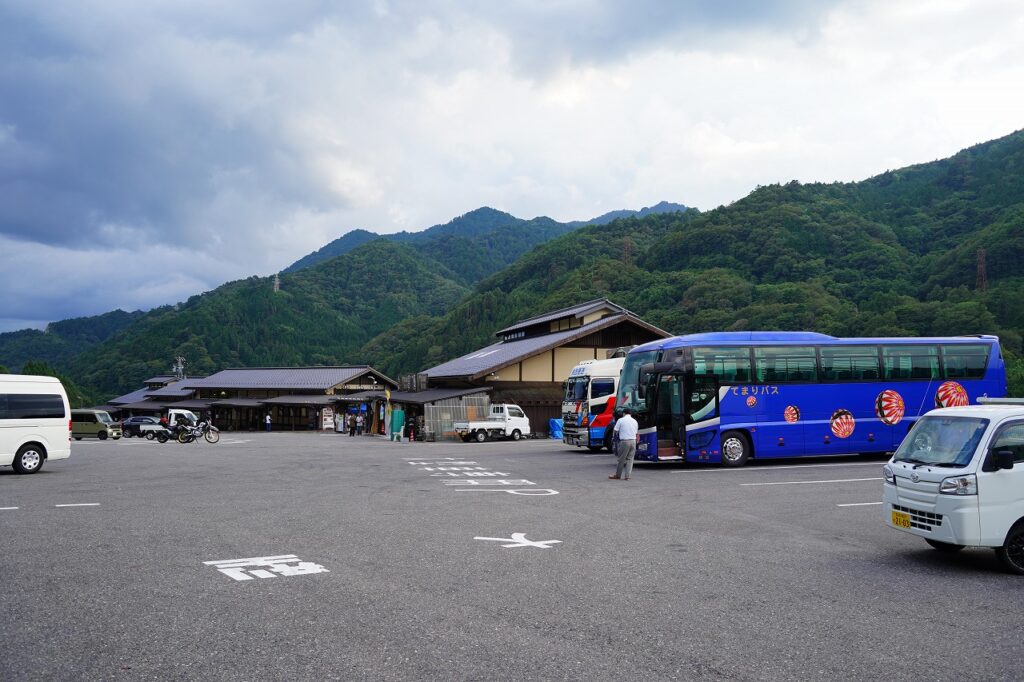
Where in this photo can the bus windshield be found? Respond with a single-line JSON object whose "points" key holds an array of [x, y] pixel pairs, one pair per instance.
{"points": [[628, 394]]}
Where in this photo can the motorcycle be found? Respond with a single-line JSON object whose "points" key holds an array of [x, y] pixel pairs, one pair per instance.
{"points": [[204, 430]]}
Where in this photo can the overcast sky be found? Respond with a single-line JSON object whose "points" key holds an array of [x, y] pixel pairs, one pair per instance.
{"points": [[153, 150]]}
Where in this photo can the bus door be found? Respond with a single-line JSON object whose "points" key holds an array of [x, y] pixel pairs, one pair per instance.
{"points": [[669, 418], [699, 426]]}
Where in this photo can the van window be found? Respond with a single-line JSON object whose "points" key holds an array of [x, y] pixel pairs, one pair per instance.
{"points": [[849, 363], [965, 362], [911, 362], [1012, 439], [785, 363], [31, 406]]}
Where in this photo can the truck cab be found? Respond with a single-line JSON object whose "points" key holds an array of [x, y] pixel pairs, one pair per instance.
{"points": [[958, 479]]}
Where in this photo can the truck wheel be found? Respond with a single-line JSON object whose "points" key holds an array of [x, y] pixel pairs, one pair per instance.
{"points": [[481, 436], [735, 449], [516, 435], [1011, 554], [102, 435], [29, 459], [149, 435], [944, 547]]}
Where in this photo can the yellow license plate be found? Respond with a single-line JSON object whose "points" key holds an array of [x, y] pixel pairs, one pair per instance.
{"points": [[901, 519]]}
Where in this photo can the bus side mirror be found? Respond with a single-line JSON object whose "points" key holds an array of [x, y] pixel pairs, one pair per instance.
{"points": [[1004, 459]]}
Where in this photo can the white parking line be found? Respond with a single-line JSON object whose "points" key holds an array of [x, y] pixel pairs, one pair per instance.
{"points": [[80, 504], [858, 504], [6, 508], [834, 480], [775, 468]]}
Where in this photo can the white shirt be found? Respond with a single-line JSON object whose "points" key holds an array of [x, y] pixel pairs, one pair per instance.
{"points": [[626, 427]]}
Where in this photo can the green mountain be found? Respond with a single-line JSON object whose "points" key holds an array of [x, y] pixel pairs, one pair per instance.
{"points": [[897, 254], [321, 315], [62, 340]]}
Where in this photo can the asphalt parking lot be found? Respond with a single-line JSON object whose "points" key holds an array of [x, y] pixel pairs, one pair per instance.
{"points": [[377, 560]]}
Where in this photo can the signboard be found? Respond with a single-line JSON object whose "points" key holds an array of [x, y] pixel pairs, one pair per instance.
{"points": [[327, 419]]}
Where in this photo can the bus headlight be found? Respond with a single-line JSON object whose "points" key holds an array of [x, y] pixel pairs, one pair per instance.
{"points": [[890, 475], [959, 485]]}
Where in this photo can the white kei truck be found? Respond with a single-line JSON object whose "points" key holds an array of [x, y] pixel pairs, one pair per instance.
{"points": [[958, 480], [504, 421]]}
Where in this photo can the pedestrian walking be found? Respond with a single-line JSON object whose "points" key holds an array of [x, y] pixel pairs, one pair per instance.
{"points": [[351, 425], [267, 421], [359, 424], [628, 433]]}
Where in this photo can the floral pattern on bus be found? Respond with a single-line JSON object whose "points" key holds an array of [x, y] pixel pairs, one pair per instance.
{"points": [[751, 401], [842, 423], [951, 394], [889, 407], [791, 414]]}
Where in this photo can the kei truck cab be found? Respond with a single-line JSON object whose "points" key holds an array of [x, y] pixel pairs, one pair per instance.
{"points": [[35, 422], [958, 479]]}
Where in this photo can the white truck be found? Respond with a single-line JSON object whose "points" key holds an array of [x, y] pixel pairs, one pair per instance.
{"points": [[504, 421], [958, 479]]}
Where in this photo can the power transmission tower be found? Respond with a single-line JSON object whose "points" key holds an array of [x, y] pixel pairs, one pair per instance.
{"points": [[277, 282]]}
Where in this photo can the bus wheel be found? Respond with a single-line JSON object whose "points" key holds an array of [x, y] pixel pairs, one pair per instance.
{"points": [[1011, 554], [735, 449]]}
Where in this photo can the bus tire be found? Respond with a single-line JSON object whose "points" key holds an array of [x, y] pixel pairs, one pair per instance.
{"points": [[944, 547], [736, 449], [1011, 554]]}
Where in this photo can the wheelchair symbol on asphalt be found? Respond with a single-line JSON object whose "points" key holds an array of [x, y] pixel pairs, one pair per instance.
{"points": [[519, 540]]}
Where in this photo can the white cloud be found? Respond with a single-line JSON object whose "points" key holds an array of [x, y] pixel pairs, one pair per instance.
{"points": [[214, 143]]}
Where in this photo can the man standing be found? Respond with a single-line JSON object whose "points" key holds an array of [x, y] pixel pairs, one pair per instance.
{"points": [[267, 422], [628, 433]]}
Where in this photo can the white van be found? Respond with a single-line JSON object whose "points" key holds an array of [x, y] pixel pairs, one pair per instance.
{"points": [[35, 422], [958, 479]]}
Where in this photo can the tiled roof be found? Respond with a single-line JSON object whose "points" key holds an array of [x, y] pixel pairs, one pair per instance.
{"points": [[297, 378], [502, 354], [159, 379], [132, 397], [580, 310], [304, 399], [414, 397], [179, 389]]}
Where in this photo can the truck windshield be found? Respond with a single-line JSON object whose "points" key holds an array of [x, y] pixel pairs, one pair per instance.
{"points": [[576, 388], [942, 441]]}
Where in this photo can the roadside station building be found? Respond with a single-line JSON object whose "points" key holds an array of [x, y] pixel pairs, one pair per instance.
{"points": [[297, 398], [530, 362]]}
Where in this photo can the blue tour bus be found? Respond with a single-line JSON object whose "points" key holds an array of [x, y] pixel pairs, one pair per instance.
{"points": [[730, 396]]}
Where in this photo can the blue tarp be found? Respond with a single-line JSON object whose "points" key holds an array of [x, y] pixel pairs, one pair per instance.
{"points": [[555, 428]]}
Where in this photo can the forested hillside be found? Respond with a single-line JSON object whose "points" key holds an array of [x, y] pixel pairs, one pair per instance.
{"points": [[62, 340], [321, 315], [897, 254]]}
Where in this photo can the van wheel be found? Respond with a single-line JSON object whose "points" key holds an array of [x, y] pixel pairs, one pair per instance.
{"points": [[735, 449], [480, 436], [1011, 554], [78, 438], [29, 459], [102, 435], [516, 435], [945, 547]]}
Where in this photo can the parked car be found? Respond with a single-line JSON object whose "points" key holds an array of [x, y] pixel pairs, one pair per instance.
{"points": [[93, 424], [34, 423], [137, 426]]}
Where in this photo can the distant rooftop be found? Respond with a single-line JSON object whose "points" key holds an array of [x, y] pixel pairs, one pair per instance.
{"points": [[577, 311], [309, 378]]}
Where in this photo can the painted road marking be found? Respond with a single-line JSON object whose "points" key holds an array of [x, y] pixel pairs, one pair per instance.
{"points": [[7, 508], [858, 504], [834, 480], [523, 491], [774, 468], [80, 504], [266, 567], [234, 442], [519, 540]]}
